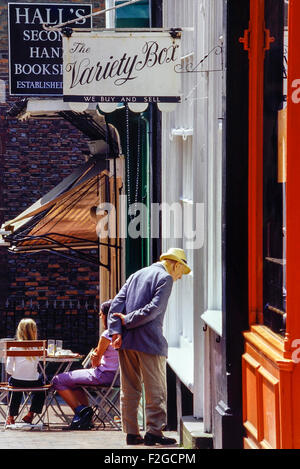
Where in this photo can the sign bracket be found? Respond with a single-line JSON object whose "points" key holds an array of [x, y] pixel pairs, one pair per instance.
{"points": [[174, 32]]}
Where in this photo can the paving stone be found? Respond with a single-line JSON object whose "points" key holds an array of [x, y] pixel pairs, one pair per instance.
{"points": [[57, 438]]}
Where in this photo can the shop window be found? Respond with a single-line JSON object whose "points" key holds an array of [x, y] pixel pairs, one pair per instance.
{"points": [[133, 16], [275, 75]]}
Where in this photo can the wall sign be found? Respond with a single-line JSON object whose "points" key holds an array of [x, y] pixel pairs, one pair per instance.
{"points": [[35, 55], [110, 68]]}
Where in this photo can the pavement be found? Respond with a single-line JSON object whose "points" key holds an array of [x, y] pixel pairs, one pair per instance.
{"points": [[55, 437]]}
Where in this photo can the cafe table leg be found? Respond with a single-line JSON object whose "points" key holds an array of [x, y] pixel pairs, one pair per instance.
{"points": [[52, 401]]}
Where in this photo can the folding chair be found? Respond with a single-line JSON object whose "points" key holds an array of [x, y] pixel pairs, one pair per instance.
{"points": [[105, 402], [28, 348], [3, 400], [3, 382]]}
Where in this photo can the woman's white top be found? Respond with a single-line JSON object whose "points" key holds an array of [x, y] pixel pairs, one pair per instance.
{"points": [[23, 368]]}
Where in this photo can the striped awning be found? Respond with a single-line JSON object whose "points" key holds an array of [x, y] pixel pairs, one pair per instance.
{"points": [[65, 217]]}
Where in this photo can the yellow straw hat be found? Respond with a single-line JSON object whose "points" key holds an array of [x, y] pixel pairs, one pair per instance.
{"points": [[176, 254]]}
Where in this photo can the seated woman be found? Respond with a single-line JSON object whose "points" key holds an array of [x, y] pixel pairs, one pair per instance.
{"points": [[105, 363], [24, 373]]}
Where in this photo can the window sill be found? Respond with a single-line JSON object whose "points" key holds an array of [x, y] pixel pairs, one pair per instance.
{"points": [[213, 319], [181, 360]]}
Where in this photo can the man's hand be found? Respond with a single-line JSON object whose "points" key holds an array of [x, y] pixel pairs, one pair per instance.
{"points": [[116, 340], [121, 316]]}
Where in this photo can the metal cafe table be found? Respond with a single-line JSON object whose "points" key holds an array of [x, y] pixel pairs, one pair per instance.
{"points": [[64, 361]]}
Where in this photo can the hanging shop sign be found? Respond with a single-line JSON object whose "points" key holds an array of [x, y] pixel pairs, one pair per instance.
{"points": [[110, 68], [35, 54]]}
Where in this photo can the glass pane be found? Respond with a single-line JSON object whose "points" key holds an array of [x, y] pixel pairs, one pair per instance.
{"points": [[274, 168]]}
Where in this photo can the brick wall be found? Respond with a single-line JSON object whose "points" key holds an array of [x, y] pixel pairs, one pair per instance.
{"points": [[35, 156]]}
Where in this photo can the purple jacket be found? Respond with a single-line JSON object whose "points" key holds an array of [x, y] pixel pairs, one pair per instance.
{"points": [[143, 298]]}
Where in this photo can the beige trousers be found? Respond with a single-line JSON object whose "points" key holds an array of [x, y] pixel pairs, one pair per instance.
{"points": [[137, 367]]}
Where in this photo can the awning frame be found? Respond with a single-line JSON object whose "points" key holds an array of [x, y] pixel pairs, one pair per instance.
{"points": [[95, 126], [61, 246]]}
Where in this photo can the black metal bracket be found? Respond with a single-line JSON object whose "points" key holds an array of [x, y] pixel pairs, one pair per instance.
{"points": [[77, 256], [67, 31], [175, 32], [190, 67]]}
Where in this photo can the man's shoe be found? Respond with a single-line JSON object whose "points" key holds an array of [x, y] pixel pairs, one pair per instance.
{"points": [[151, 440], [132, 439]]}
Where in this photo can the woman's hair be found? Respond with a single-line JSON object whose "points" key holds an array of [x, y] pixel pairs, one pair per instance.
{"points": [[26, 330], [105, 309]]}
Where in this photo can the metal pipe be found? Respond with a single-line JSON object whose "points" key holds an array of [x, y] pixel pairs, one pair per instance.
{"points": [[56, 28]]}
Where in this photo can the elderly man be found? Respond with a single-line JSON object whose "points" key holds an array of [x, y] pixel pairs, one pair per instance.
{"points": [[135, 323]]}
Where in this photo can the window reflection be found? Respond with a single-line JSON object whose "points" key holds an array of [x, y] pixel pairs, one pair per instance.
{"points": [[274, 179]]}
